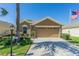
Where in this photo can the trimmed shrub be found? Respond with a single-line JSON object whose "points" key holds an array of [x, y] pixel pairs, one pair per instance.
{"points": [[22, 42], [74, 41], [7, 42], [28, 41], [66, 36], [1, 42], [25, 41]]}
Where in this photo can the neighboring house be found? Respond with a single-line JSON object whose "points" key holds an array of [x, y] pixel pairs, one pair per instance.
{"points": [[73, 30], [46, 27], [4, 28]]}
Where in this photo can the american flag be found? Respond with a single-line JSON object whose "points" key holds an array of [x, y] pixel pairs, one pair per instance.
{"points": [[75, 15], [77, 12]]}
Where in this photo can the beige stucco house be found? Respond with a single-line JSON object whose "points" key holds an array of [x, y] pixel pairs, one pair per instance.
{"points": [[4, 28], [47, 27], [73, 30]]}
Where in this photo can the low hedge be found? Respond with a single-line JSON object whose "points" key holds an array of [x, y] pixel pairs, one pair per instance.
{"points": [[73, 41], [6, 41], [66, 36], [25, 41]]}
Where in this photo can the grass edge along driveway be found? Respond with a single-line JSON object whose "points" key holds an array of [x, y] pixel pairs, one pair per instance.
{"points": [[74, 40], [17, 50]]}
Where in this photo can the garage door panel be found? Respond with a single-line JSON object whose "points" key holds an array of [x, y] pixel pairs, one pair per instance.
{"points": [[47, 32]]}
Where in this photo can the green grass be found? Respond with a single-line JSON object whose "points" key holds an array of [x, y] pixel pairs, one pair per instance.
{"points": [[21, 50], [71, 39], [74, 39], [17, 50], [4, 50]]}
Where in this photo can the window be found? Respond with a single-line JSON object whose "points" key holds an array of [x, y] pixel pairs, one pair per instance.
{"points": [[24, 29]]}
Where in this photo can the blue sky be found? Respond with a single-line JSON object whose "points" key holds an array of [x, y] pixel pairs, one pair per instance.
{"points": [[58, 11]]}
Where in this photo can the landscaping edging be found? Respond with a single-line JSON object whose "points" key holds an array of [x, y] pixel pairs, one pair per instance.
{"points": [[27, 50]]}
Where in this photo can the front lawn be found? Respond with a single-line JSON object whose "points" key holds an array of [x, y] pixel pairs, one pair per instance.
{"points": [[71, 39], [74, 39], [18, 50]]}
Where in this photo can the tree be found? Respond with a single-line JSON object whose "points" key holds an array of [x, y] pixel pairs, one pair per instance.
{"points": [[18, 21]]}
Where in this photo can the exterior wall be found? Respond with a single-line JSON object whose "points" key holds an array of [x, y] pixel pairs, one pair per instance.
{"points": [[4, 29], [73, 31], [60, 31], [28, 34], [23, 23]]}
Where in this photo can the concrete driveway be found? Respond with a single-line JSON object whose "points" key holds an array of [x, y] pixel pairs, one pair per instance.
{"points": [[52, 47]]}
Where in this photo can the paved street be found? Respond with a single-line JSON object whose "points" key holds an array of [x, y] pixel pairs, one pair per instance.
{"points": [[52, 47]]}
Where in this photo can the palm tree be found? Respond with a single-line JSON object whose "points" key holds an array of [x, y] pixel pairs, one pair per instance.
{"points": [[18, 20]]}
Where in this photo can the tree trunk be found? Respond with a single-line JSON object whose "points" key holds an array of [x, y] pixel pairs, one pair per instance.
{"points": [[18, 21]]}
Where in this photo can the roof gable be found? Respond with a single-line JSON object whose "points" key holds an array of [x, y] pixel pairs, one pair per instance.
{"points": [[48, 18], [27, 21]]}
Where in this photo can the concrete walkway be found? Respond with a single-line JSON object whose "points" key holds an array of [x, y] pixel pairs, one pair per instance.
{"points": [[52, 47]]}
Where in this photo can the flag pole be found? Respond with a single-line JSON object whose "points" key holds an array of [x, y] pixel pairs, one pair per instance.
{"points": [[70, 21]]}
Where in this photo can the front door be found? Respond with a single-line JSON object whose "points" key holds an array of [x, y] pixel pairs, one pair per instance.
{"points": [[24, 30]]}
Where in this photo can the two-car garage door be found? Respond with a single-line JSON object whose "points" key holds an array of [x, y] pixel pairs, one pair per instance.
{"points": [[47, 32]]}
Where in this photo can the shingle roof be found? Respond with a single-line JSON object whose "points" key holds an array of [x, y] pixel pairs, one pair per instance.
{"points": [[6, 23], [26, 20], [35, 22], [52, 19]]}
